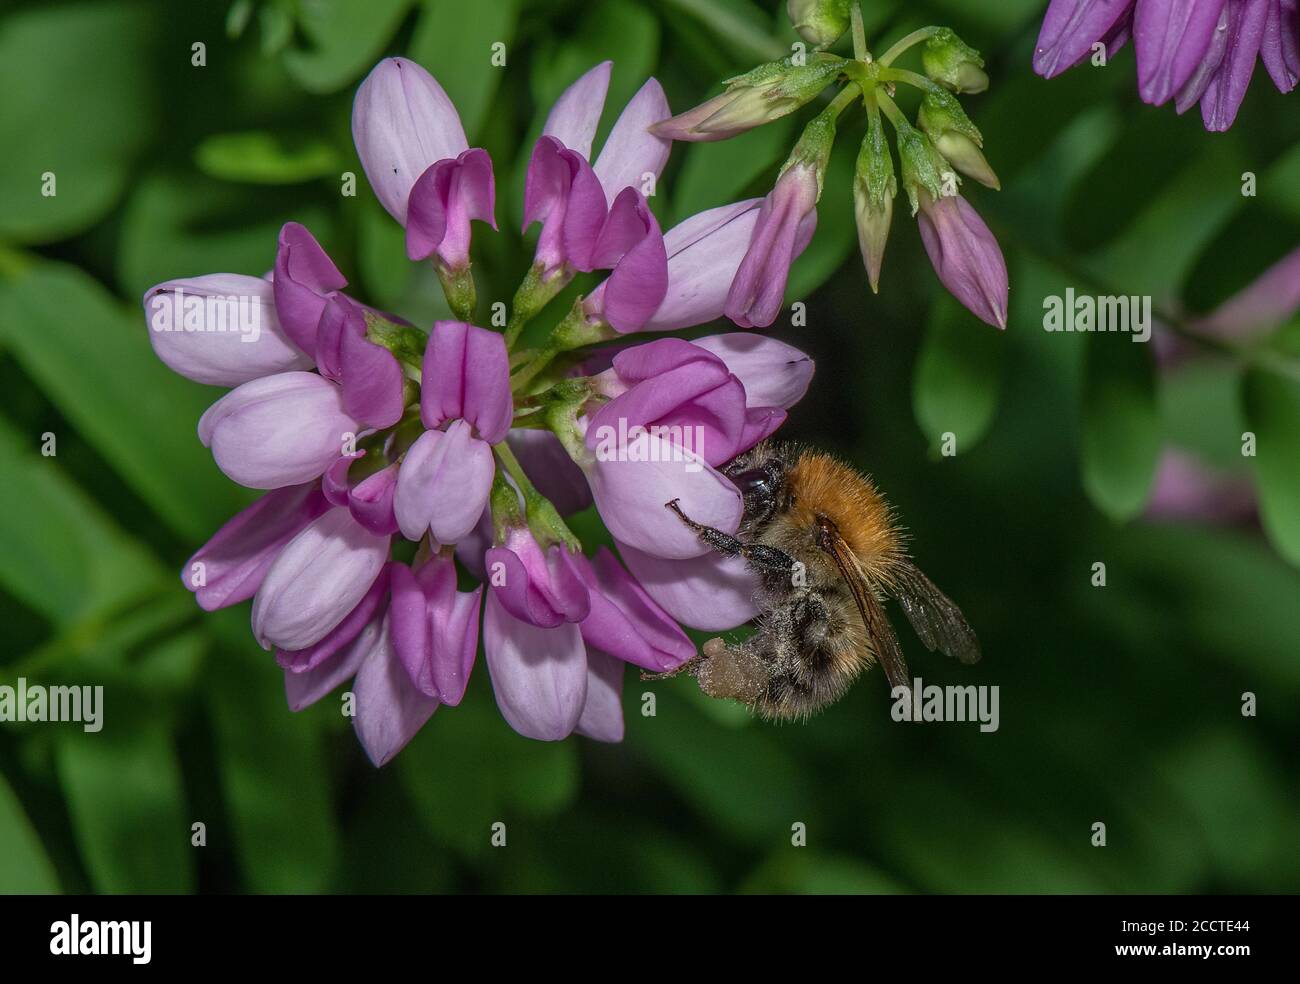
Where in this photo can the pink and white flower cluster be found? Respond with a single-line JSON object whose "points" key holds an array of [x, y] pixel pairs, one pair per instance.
{"points": [[366, 431]]}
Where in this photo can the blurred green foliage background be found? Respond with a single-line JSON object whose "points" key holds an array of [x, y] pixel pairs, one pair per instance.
{"points": [[1119, 704]]}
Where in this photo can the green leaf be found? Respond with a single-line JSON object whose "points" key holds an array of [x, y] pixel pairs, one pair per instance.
{"points": [[737, 780], [24, 867], [454, 42], [187, 227], [59, 553], [1230, 785], [93, 360], [1201, 410], [257, 157], [1154, 255], [619, 30], [738, 24], [84, 125], [381, 255], [124, 792], [958, 376], [801, 872], [1121, 425], [273, 771], [1272, 407], [344, 40], [466, 770]]}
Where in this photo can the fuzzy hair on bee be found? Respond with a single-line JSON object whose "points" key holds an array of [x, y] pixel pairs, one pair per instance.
{"points": [[828, 553]]}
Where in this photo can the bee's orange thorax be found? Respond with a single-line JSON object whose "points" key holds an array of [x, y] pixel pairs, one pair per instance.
{"points": [[828, 487]]}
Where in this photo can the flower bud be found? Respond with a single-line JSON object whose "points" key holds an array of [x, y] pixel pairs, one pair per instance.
{"points": [[819, 22], [965, 256], [925, 171], [874, 188], [949, 61], [760, 96], [955, 136]]}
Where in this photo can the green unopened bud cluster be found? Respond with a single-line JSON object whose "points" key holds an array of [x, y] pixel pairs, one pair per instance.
{"points": [[933, 151]]}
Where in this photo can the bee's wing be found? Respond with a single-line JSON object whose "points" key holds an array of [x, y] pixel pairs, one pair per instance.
{"points": [[888, 653], [938, 622]]}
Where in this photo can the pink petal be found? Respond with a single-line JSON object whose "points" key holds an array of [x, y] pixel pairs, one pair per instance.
{"points": [[402, 122], [602, 712], [774, 374], [444, 200], [1270, 300], [279, 430], [316, 580], [467, 375], [366, 611], [371, 501], [306, 688], [540, 587], [389, 710], [632, 155], [539, 675], [576, 114], [304, 276], [625, 621], [1071, 27], [710, 592], [632, 244], [221, 329], [233, 563], [632, 494], [443, 484]]}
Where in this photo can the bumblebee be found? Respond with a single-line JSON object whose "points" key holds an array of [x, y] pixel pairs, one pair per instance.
{"points": [[828, 553]]}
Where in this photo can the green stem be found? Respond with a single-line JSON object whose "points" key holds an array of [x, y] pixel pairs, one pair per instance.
{"points": [[892, 112], [575, 331], [916, 37], [908, 78], [534, 293], [543, 519], [859, 33], [841, 102]]}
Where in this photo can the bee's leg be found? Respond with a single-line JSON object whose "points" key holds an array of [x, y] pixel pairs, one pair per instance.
{"points": [[760, 557], [731, 672]]}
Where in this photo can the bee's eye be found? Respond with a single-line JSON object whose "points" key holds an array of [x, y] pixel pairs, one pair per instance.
{"points": [[755, 482]]}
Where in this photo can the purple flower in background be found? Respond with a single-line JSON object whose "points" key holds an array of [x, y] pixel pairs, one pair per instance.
{"points": [[1187, 490], [1189, 51]]}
